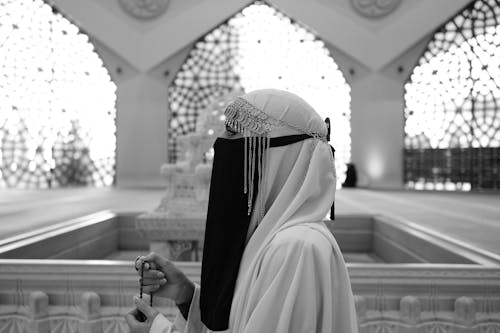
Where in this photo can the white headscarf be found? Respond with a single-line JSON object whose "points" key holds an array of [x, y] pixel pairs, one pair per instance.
{"points": [[299, 183]]}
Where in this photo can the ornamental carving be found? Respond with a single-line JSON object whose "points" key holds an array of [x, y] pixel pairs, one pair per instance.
{"points": [[92, 297], [144, 9], [375, 8]]}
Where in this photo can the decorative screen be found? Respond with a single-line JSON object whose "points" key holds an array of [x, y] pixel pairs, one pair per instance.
{"points": [[57, 102], [258, 48], [452, 115]]}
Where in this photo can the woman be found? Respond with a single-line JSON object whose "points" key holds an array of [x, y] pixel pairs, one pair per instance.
{"points": [[269, 262]]}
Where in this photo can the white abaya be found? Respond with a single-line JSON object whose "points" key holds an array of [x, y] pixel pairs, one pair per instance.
{"points": [[292, 276], [301, 286]]}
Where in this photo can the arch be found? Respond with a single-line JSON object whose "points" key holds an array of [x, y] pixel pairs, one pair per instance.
{"points": [[57, 102], [257, 48], [452, 99]]}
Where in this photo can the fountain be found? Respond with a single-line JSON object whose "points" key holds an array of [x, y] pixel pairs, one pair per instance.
{"points": [[176, 227]]}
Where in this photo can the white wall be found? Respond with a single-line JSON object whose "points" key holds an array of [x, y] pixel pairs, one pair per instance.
{"points": [[142, 117]]}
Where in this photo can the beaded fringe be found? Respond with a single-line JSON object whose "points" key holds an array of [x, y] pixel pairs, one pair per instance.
{"points": [[243, 117], [255, 164]]}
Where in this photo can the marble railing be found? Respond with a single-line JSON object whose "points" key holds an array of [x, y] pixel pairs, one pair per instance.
{"points": [[93, 296]]}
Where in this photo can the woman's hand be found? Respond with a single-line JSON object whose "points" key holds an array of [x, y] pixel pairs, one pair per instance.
{"points": [[164, 279], [133, 318]]}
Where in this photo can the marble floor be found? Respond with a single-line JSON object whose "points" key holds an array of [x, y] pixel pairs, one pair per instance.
{"points": [[470, 217]]}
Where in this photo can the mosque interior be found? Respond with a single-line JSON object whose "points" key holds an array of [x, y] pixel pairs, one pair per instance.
{"points": [[108, 110]]}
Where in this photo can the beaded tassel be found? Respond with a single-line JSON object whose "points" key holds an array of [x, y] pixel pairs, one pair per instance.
{"points": [[250, 174], [245, 166], [259, 163], [265, 174], [256, 157], [263, 157]]}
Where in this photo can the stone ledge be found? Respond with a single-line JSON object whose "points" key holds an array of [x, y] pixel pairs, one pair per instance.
{"points": [[37, 295]]}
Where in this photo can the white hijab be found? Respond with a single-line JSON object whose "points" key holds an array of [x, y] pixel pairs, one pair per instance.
{"points": [[299, 186]]}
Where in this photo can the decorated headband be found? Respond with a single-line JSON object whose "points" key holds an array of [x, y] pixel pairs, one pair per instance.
{"points": [[255, 125], [246, 118]]}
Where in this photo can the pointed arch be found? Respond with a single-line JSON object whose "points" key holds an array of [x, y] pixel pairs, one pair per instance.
{"points": [[260, 47], [452, 105]]}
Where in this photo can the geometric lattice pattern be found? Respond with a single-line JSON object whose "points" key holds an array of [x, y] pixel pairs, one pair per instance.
{"points": [[258, 48], [57, 102], [452, 113]]}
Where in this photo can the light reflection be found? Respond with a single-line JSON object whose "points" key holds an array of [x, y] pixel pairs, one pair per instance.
{"points": [[56, 100]]}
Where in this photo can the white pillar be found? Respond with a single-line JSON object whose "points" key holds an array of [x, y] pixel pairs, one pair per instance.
{"points": [[377, 130]]}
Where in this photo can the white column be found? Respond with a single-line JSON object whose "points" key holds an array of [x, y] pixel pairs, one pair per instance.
{"points": [[377, 130]]}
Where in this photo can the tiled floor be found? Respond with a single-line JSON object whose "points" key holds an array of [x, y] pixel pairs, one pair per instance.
{"points": [[470, 217]]}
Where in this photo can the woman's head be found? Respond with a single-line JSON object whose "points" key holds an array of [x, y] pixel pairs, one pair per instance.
{"points": [[267, 119]]}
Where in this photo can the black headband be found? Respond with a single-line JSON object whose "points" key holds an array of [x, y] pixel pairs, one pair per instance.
{"points": [[287, 140], [281, 141]]}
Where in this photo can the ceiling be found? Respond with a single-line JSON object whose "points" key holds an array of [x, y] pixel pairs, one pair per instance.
{"points": [[372, 42]]}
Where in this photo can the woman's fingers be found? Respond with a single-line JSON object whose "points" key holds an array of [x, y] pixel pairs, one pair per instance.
{"points": [[158, 260], [143, 306], [148, 265], [153, 281], [138, 264], [131, 319], [153, 277], [153, 273], [150, 289]]}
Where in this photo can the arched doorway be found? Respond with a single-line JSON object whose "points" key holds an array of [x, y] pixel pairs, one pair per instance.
{"points": [[260, 47]]}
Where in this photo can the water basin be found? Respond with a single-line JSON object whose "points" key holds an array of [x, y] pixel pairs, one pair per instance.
{"points": [[362, 238]]}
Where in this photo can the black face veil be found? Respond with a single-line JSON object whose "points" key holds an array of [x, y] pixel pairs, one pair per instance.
{"points": [[228, 219]]}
